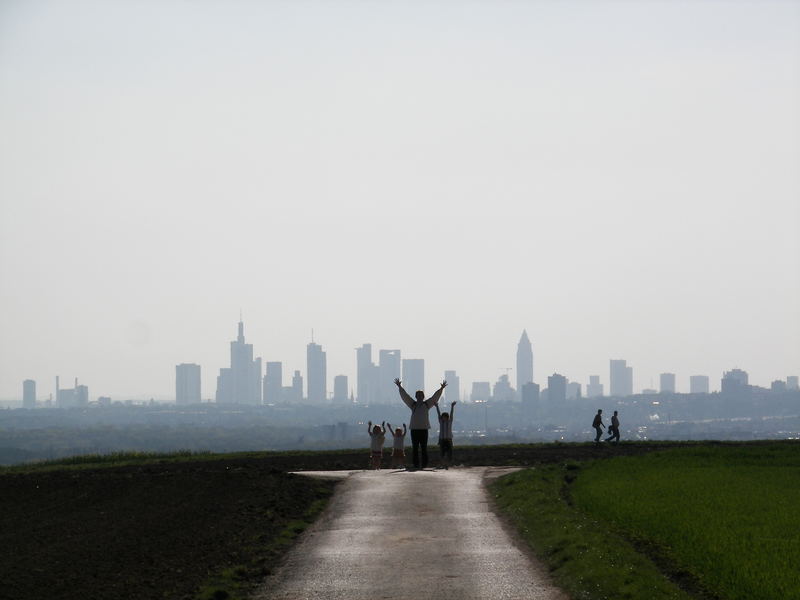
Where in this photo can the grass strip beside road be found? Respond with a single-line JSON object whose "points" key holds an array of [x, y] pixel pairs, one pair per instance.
{"points": [[587, 557], [709, 521]]}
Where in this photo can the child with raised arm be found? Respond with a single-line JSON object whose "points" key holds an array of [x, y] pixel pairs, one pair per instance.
{"points": [[446, 435], [399, 446], [377, 434]]}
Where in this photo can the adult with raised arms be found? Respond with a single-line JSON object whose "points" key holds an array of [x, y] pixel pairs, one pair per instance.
{"points": [[419, 423]]}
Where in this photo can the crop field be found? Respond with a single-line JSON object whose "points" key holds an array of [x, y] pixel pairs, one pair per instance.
{"points": [[729, 517], [708, 521], [148, 526]]}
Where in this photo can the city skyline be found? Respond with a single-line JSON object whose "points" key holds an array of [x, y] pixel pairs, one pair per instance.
{"points": [[244, 382], [618, 179]]}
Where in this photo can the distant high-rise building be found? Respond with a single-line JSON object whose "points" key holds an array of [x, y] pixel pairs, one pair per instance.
{"points": [[389, 369], [573, 390], [594, 389], [297, 387], [792, 382], [273, 383], [241, 382], [481, 390], [316, 371], [452, 393], [698, 384], [779, 385], [71, 398], [340, 389], [621, 378], [529, 394], [556, 389], [734, 381], [29, 393], [413, 375], [667, 383], [524, 361], [503, 392], [187, 384], [367, 376]]}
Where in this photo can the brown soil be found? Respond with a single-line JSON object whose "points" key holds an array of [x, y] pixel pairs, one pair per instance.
{"points": [[149, 531]]}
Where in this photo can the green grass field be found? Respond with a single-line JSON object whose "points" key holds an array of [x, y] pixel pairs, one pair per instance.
{"points": [[700, 522], [728, 516]]}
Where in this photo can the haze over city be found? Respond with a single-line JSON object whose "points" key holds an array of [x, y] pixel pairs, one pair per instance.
{"points": [[620, 181]]}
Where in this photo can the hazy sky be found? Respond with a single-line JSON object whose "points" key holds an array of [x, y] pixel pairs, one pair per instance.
{"points": [[621, 179]]}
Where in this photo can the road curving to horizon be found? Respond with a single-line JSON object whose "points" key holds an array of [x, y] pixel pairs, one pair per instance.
{"points": [[410, 535]]}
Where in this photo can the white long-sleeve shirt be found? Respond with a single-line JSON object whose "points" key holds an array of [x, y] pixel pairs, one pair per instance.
{"points": [[419, 410]]}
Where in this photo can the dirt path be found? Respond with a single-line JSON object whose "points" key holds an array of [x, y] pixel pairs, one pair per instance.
{"points": [[409, 535]]}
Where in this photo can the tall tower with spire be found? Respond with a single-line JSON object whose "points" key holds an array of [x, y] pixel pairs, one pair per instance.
{"points": [[524, 361], [241, 382]]}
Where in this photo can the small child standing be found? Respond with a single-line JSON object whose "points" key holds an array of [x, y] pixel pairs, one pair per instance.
{"points": [[377, 435], [399, 446], [446, 435]]}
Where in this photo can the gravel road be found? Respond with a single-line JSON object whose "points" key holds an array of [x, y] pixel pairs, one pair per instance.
{"points": [[410, 535]]}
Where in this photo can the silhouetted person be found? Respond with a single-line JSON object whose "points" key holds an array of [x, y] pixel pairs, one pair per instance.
{"points": [[377, 435], [598, 424], [419, 423], [398, 446], [446, 434], [613, 429]]}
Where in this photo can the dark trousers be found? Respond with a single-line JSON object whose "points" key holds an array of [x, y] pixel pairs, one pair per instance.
{"points": [[419, 440]]}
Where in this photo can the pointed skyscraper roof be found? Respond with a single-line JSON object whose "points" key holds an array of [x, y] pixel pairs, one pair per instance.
{"points": [[524, 361]]}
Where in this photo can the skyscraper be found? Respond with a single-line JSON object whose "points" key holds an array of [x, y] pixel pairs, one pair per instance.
{"points": [[524, 361], [340, 389], [667, 383], [297, 387], [573, 390], [734, 381], [273, 383], [241, 382], [413, 375], [187, 384], [367, 375], [556, 389], [389, 369], [29, 393], [594, 388], [698, 384], [503, 392], [621, 378], [792, 382], [452, 393], [316, 371]]}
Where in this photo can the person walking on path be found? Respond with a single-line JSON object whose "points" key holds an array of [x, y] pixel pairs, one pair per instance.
{"points": [[446, 435], [419, 423], [598, 425], [613, 429]]}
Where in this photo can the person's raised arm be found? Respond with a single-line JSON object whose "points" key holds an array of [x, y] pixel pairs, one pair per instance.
{"points": [[404, 428], [391, 429], [404, 395], [435, 398], [383, 427], [438, 412], [452, 410], [369, 427]]}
